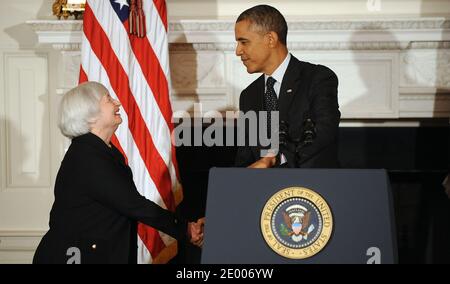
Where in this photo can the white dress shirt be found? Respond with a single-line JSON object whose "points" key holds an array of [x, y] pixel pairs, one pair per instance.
{"points": [[278, 75]]}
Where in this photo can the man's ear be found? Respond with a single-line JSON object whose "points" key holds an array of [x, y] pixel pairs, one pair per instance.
{"points": [[273, 39]]}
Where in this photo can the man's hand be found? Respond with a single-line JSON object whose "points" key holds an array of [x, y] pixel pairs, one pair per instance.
{"points": [[201, 222], [264, 163], [195, 231]]}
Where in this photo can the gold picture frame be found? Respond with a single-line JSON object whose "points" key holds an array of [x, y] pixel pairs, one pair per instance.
{"points": [[66, 8]]}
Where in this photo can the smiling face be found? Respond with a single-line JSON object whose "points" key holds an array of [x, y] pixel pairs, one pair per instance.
{"points": [[254, 47], [108, 117]]}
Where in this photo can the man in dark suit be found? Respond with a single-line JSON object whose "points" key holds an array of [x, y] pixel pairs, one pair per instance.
{"points": [[303, 94]]}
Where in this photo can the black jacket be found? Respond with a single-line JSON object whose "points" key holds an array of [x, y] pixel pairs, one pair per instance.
{"points": [[96, 208], [306, 89]]}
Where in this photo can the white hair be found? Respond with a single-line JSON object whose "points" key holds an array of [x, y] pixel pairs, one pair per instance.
{"points": [[79, 108]]}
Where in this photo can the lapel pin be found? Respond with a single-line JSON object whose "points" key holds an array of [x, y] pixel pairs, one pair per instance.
{"points": [[289, 91]]}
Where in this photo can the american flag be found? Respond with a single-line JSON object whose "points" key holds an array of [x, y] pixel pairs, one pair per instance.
{"points": [[135, 70]]}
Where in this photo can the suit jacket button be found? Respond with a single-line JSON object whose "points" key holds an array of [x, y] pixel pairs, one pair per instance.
{"points": [[94, 246]]}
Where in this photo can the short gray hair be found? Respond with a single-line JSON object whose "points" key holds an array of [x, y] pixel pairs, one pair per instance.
{"points": [[79, 108]]}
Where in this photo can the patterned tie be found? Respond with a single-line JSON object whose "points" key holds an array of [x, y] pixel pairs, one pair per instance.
{"points": [[270, 101]]}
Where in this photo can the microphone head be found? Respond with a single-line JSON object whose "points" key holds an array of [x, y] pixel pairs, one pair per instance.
{"points": [[284, 126], [283, 132]]}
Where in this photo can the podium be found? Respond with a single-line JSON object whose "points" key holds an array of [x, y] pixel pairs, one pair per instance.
{"points": [[292, 216]]}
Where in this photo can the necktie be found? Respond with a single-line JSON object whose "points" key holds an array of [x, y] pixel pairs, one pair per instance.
{"points": [[270, 101]]}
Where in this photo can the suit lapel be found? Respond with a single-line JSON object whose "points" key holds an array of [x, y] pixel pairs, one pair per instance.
{"points": [[289, 86], [260, 93]]}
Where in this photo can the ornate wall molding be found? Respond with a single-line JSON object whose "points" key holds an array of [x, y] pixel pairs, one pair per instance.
{"points": [[228, 25], [410, 54], [338, 24], [63, 35], [55, 25], [306, 46], [427, 68], [369, 34], [67, 46]]}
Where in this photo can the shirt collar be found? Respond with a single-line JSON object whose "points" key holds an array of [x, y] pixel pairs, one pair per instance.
{"points": [[278, 74]]}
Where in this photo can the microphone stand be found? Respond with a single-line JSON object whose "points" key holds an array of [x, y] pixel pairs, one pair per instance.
{"points": [[309, 134]]}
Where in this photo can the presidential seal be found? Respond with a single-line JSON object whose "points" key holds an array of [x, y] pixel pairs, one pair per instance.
{"points": [[296, 222]]}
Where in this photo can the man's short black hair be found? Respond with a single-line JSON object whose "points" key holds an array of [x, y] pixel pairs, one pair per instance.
{"points": [[267, 19]]}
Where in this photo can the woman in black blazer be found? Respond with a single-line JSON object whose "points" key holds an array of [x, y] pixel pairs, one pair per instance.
{"points": [[96, 203]]}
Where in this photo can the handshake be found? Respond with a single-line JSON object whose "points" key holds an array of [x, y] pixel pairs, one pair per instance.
{"points": [[195, 232]]}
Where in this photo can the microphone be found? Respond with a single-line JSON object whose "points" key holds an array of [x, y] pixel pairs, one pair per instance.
{"points": [[309, 132], [286, 146], [283, 134], [295, 145], [308, 136]]}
